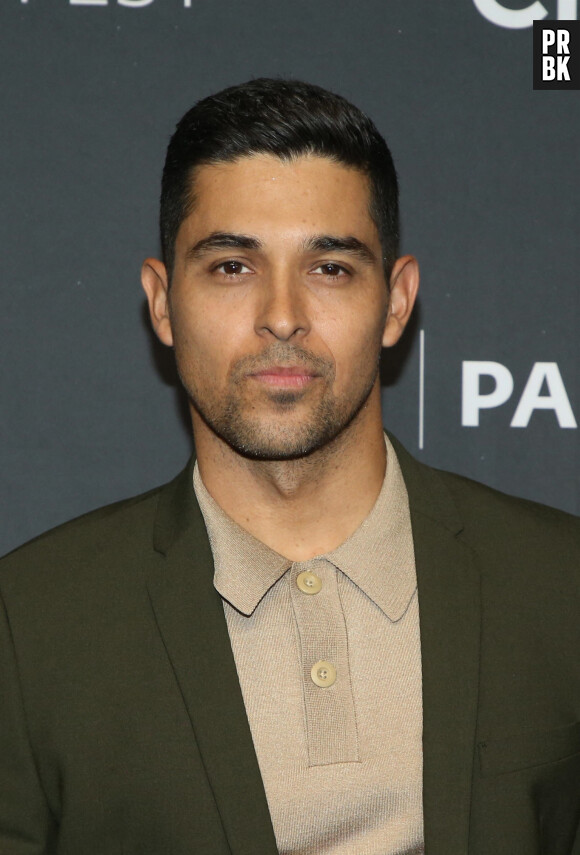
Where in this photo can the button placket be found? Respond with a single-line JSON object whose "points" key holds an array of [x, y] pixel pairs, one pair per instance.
{"points": [[328, 700]]}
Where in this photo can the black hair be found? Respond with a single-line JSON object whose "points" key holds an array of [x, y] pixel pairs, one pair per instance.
{"points": [[285, 118]]}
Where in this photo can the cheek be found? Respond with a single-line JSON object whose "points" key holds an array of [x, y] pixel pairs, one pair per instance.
{"points": [[204, 341], [190, 340], [354, 341]]}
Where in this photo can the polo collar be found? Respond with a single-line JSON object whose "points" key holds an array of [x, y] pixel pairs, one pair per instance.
{"points": [[378, 557]]}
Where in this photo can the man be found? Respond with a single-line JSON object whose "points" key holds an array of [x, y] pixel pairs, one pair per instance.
{"points": [[308, 642]]}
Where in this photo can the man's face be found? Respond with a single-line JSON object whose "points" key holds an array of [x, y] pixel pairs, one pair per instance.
{"points": [[277, 304]]}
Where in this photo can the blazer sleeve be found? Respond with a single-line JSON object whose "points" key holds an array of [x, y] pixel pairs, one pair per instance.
{"points": [[26, 824]]}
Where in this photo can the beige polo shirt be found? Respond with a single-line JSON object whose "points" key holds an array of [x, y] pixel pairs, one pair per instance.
{"points": [[329, 663]]}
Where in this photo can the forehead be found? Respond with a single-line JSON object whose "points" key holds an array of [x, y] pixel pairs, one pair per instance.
{"points": [[277, 197]]}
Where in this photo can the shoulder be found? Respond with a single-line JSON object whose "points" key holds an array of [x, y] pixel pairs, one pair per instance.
{"points": [[487, 512], [526, 552], [105, 537], [481, 505], [505, 531], [90, 527], [526, 555], [89, 578]]}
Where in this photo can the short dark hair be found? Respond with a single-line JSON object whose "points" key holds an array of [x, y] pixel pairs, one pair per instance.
{"points": [[286, 118]]}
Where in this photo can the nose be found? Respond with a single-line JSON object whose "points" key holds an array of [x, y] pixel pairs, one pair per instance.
{"points": [[282, 310]]}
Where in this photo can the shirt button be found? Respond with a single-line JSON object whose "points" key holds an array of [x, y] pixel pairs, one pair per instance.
{"points": [[323, 674], [309, 583]]}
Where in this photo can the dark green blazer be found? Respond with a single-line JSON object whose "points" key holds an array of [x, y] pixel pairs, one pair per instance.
{"points": [[122, 725]]}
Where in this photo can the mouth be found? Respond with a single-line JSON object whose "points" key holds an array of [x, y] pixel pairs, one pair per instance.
{"points": [[285, 377]]}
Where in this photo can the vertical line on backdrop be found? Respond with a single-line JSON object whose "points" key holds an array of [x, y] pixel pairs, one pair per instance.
{"points": [[421, 387]]}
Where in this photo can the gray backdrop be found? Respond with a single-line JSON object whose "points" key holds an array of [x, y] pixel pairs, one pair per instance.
{"points": [[489, 174]]}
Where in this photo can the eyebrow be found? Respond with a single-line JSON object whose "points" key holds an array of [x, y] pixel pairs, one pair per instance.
{"points": [[221, 240], [349, 245], [317, 243]]}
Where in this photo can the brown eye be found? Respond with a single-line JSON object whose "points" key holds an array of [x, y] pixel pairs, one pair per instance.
{"points": [[233, 268], [330, 269]]}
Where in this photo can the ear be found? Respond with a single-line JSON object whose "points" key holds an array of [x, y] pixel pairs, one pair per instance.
{"points": [[156, 286], [404, 285]]}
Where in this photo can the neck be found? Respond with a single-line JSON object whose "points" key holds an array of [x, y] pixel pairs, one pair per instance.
{"points": [[304, 507]]}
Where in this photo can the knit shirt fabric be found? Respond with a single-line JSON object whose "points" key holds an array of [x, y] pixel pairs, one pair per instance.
{"points": [[341, 758]]}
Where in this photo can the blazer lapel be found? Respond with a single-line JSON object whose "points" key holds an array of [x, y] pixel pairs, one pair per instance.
{"points": [[449, 608], [190, 617]]}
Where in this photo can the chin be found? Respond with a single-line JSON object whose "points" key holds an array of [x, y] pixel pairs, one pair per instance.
{"points": [[254, 451], [290, 432], [260, 443]]}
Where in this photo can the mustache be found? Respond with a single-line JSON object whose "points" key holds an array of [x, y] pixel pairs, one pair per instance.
{"points": [[282, 353]]}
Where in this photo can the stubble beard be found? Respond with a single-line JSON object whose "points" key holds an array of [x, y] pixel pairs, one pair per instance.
{"points": [[277, 435]]}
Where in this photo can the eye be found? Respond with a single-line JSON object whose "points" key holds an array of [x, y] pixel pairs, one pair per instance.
{"points": [[329, 268], [232, 268]]}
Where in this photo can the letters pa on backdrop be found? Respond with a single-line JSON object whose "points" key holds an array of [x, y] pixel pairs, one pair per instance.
{"points": [[544, 375]]}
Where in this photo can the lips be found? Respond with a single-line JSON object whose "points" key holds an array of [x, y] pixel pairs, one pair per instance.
{"points": [[292, 376]]}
